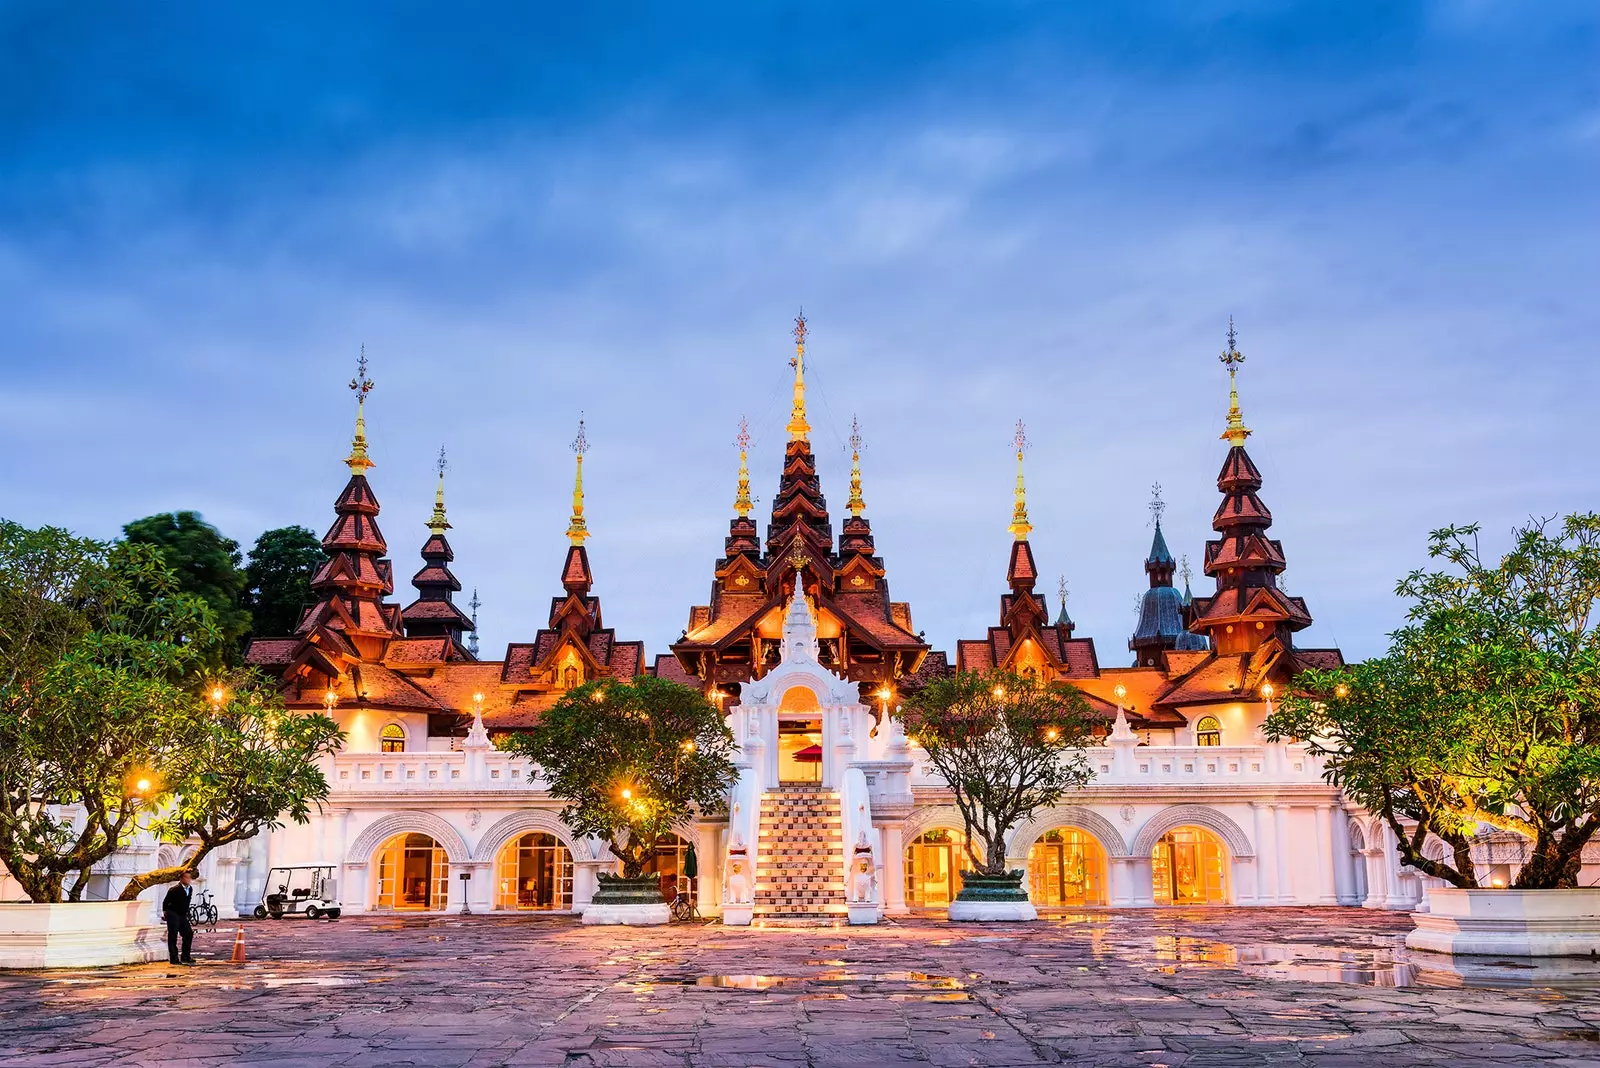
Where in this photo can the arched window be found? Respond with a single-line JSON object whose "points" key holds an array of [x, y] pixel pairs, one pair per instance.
{"points": [[935, 861], [1067, 867], [1208, 731], [535, 872], [570, 678], [392, 739]]}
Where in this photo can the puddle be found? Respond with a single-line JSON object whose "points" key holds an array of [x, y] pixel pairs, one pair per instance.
{"points": [[897, 981], [1391, 966]]}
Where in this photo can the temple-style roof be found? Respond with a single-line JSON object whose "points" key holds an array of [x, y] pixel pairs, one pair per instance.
{"points": [[1161, 608], [434, 612], [863, 634]]}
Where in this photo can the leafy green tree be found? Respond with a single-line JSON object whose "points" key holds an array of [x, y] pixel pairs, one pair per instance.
{"points": [[633, 760], [207, 565], [278, 579], [1006, 745], [1485, 710], [247, 763], [100, 651]]}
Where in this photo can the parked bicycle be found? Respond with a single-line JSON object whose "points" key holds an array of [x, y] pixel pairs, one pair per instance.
{"points": [[203, 911], [684, 909]]}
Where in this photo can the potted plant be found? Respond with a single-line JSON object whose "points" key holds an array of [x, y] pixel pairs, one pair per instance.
{"points": [[633, 760], [1006, 746], [1484, 715]]}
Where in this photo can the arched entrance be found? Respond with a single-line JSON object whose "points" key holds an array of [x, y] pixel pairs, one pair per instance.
{"points": [[799, 736], [1189, 866], [412, 873], [533, 871], [669, 863], [1067, 868], [934, 862]]}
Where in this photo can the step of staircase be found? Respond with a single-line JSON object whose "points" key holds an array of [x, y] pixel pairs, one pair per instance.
{"points": [[800, 856]]}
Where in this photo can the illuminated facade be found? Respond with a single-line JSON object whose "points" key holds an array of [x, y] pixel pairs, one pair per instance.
{"points": [[808, 653]]}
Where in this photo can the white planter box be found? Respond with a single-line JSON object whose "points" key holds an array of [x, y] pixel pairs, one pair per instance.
{"points": [[1509, 923], [83, 934], [992, 911], [862, 915], [630, 915]]}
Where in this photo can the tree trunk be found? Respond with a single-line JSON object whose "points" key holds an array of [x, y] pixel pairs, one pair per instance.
{"points": [[140, 883], [1554, 865]]}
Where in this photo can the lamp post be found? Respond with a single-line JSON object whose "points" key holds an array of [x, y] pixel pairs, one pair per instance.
{"points": [[466, 901]]}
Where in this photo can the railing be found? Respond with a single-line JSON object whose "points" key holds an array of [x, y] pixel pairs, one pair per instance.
{"points": [[1158, 765], [385, 772]]}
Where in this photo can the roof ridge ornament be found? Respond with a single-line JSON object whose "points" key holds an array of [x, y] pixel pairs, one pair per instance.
{"points": [[358, 460], [855, 504], [1235, 432], [1020, 527], [1157, 505], [798, 428], [578, 528], [437, 521], [742, 504]]}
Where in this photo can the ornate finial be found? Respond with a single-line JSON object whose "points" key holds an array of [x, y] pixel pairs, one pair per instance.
{"points": [[1157, 505], [474, 604], [1184, 570], [1019, 515], [578, 529], [798, 427], [855, 504], [742, 504], [437, 521], [798, 558], [1236, 431], [1061, 588], [358, 460]]}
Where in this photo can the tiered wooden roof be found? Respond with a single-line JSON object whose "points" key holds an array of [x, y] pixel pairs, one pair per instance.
{"points": [[863, 633], [434, 613]]}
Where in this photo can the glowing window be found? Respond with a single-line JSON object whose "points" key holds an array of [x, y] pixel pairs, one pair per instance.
{"points": [[1208, 731], [392, 739]]}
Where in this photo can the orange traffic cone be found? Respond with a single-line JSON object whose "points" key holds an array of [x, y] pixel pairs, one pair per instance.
{"points": [[238, 948]]}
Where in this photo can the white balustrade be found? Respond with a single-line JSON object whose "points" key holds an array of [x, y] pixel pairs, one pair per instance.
{"points": [[426, 772], [1161, 765]]}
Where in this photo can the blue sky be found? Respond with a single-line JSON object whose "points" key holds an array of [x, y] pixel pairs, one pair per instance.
{"points": [[990, 211]]}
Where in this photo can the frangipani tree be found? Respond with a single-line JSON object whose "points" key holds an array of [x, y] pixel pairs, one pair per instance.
{"points": [[1006, 745], [633, 759], [1484, 712]]}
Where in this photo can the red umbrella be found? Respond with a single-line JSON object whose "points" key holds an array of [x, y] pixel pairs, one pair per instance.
{"points": [[811, 754]]}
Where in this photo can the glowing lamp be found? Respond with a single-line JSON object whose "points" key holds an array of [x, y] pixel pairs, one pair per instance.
{"points": [[143, 786], [999, 691], [1050, 735], [216, 695], [1267, 690], [1341, 690], [1121, 692], [688, 745], [627, 794]]}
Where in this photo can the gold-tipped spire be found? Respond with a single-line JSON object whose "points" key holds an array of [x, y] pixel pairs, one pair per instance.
{"points": [[578, 529], [358, 460], [855, 504], [742, 503], [437, 521], [1019, 515], [1236, 431], [798, 427]]}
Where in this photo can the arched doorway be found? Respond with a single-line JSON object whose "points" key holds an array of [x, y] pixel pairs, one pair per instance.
{"points": [[1067, 868], [413, 872], [934, 862], [1189, 866], [533, 871], [669, 863]]}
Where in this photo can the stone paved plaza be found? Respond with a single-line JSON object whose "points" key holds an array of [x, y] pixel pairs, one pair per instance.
{"points": [[1320, 987]]}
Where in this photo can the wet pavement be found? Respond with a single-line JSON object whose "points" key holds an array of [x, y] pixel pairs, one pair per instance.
{"points": [[1191, 988]]}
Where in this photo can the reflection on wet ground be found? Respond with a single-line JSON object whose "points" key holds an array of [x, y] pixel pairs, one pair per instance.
{"points": [[1191, 987]]}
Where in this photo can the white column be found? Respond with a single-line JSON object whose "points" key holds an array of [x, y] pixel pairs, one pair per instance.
{"points": [[1122, 871], [1343, 876], [1395, 897], [1286, 893], [1266, 882], [1141, 878], [1327, 888], [894, 870]]}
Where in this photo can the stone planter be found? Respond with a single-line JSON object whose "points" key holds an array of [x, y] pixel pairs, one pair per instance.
{"points": [[991, 898], [634, 902], [80, 934], [1509, 923]]}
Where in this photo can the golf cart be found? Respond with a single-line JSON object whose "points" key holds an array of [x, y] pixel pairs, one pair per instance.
{"points": [[308, 890]]}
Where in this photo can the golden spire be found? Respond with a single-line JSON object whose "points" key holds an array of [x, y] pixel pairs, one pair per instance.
{"points": [[1236, 431], [577, 529], [1019, 515], [358, 460], [798, 427], [437, 522], [855, 504], [742, 503]]}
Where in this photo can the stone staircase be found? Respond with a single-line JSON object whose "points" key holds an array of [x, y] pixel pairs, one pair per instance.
{"points": [[800, 862]]}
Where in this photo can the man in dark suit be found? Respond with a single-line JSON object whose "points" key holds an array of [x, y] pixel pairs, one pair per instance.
{"points": [[175, 911]]}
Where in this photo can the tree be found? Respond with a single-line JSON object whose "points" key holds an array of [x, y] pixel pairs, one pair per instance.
{"points": [[1006, 745], [207, 565], [1484, 712], [247, 764], [99, 651], [633, 760], [278, 579]]}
